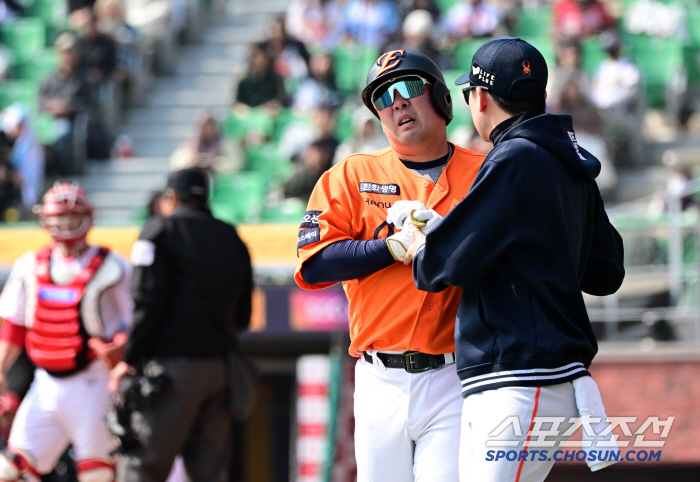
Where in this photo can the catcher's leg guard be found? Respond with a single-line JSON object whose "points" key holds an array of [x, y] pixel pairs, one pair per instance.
{"points": [[15, 465], [95, 470]]}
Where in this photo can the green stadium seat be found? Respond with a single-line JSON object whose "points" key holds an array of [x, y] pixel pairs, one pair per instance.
{"points": [[38, 67], [240, 123], [464, 52], [25, 37], [24, 91], [460, 110], [593, 54], [285, 118], [267, 160], [661, 61], [45, 128], [54, 13], [445, 5], [344, 129], [238, 198], [534, 23], [288, 211], [352, 62]]}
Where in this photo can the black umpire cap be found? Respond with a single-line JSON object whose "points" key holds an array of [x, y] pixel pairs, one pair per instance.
{"points": [[501, 62], [193, 181]]}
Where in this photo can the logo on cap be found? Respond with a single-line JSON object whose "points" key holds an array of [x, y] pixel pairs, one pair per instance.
{"points": [[483, 75], [526, 67], [384, 60]]}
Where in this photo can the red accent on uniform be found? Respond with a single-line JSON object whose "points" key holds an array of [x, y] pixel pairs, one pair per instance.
{"points": [[23, 465], [529, 432], [309, 468], [89, 464], [13, 334], [312, 429], [55, 341]]}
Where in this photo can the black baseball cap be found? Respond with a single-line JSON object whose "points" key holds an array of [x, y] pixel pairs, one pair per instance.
{"points": [[193, 181], [501, 62]]}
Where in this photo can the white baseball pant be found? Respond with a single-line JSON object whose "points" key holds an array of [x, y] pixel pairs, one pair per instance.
{"points": [[406, 424]]}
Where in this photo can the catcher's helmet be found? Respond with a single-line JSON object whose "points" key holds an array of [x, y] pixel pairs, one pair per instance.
{"points": [[64, 198], [405, 62]]}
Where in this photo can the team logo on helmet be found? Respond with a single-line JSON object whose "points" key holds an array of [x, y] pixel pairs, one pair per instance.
{"points": [[526, 67], [385, 61]]}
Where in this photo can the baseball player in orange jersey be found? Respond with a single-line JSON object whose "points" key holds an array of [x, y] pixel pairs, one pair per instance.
{"points": [[355, 231]]}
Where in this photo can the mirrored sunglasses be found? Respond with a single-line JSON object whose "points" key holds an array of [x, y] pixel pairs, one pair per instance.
{"points": [[409, 86]]}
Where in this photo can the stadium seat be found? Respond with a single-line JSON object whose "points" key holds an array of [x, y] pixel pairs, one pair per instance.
{"points": [[593, 54], [267, 160], [25, 37], [240, 123], [288, 211], [24, 91], [238, 198], [54, 13], [352, 62], [287, 117], [344, 130], [445, 5], [661, 62], [45, 128], [460, 110], [534, 23], [37, 67], [464, 52]]}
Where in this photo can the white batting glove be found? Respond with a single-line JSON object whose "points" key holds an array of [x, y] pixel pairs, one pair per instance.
{"points": [[400, 211], [399, 242], [425, 219]]}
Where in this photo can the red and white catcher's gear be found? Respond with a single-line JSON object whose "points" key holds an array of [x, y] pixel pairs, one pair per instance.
{"points": [[65, 198], [14, 465], [95, 470], [57, 340]]}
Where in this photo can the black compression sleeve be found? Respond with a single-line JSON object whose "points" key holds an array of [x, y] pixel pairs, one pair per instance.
{"points": [[346, 260]]}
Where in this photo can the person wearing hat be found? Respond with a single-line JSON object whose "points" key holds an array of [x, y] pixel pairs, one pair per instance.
{"points": [[355, 232], [192, 287], [530, 236]]}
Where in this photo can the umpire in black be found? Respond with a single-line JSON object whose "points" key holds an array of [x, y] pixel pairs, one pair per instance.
{"points": [[192, 286]]}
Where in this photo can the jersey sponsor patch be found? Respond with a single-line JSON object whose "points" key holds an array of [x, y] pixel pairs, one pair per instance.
{"points": [[310, 219], [143, 253], [54, 293], [308, 236], [389, 189]]}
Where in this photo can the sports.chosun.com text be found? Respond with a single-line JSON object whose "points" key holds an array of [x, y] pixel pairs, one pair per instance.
{"points": [[573, 455]]}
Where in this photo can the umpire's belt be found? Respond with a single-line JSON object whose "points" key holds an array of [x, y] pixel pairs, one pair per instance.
{"points": [[411, 361]]}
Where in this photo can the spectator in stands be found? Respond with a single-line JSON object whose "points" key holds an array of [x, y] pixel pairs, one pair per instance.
{"points": [[262, 86], [408, 6], [319, 88], [418, 28], [325, 121], [207, 149], [317, 23], [616, 82], [315, 160], [129, 57], [290, 55], [9, 190], [370, 22], [568, 67], [27, 156], [471, 18], [65, 94], [98, 51], [368, 136], [580, 18]]}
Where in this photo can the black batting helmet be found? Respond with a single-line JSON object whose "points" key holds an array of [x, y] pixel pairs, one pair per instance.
{"points": [[405, 62]]}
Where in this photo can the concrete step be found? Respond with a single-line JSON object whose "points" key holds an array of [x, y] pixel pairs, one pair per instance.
{"points": [[144, 132], [212, 83], [232, 52], [638, 182], [155, 148], [267, 6], [187, 97], [124, 182], [210, 66], [115, 215], [241, 35], [167, 115], [119, 199], [130, 165]]}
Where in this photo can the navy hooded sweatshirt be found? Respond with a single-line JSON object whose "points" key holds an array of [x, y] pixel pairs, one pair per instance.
{"points": [[530, 236]]}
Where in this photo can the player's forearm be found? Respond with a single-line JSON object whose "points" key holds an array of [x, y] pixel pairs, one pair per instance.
{"points": [[8, 355], [346, 260]]}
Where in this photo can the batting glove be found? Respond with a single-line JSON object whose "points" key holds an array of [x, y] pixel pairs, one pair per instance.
{"points": [[424, 219], [400, 211], [399, 242]]}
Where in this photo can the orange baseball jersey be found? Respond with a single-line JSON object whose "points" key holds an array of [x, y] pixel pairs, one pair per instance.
{"points": [[350, 201]]}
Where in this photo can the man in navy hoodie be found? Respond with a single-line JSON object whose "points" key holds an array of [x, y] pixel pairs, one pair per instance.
{"points": [[529, 237]]}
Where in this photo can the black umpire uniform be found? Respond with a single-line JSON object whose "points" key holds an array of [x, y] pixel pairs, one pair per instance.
{"points": [[192, 286]]}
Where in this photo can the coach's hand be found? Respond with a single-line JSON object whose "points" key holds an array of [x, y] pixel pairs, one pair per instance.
{"points": [[401, 210], [413, 248], [399, 242], [425, 219]]}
